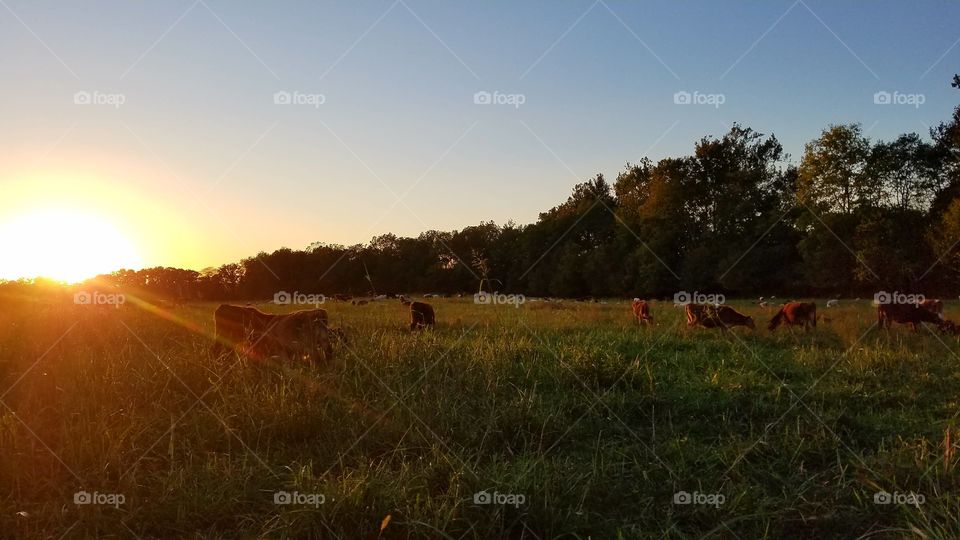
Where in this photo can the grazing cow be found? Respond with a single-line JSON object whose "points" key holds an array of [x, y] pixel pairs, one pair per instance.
{"points": [[641, 311], [286, 334], [833, 302], [911, 314], [795, 313], [359, 302], [342, 297], [933, 306], [421, 314], [295, 334], [709, 316]]}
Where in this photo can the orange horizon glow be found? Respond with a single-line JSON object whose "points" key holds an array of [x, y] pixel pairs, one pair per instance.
{"points": [[70, 227]]}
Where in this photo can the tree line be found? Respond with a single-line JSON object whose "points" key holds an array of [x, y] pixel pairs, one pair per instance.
{"points": [[853, 217]]}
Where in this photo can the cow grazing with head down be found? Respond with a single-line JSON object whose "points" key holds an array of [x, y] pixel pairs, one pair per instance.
{"points": [[641, 312], [421, 314], [722, 317], [911, 314], [291, 334], [933, 306], [795, 314]]}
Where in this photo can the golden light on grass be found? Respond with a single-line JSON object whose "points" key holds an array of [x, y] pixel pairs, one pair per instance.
{"points": [[61, 243]]}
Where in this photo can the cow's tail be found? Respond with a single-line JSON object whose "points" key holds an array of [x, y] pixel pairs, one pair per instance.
{"points": [[776, 320]]}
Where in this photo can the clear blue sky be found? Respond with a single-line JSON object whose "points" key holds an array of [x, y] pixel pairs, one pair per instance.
{"points": [[199, 120]]}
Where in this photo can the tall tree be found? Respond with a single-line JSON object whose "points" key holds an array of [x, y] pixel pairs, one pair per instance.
{"points": [[832, 175]]}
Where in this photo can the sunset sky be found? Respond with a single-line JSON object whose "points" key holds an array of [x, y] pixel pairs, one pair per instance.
{"points": [[147, 133]]}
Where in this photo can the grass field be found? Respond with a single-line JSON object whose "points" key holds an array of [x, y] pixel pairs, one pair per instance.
{"points": [[575, 422]]}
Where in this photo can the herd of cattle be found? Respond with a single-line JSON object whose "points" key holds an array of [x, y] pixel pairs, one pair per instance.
{"points": [[803, 314], [307, 333]]}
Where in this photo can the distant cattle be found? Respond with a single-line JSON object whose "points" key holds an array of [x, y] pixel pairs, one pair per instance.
{"points": [[710, 316], [342, 297], [933, 306], [300, 332], [641, 311], [421, 314], [795, 314], [911, 314], [833, 302]]}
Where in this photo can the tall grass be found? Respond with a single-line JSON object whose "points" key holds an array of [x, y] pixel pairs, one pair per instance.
{"points": [[595, 422]]}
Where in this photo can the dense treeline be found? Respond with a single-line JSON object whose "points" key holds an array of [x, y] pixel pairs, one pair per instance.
{"points": [[854, 217]]}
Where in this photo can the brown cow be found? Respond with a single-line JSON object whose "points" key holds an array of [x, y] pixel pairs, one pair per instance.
{"points": [[641, 311], [722, 317], [933, 306], [911, 314], [289, 333], [297, 334], [421, 314], [794, 314]]}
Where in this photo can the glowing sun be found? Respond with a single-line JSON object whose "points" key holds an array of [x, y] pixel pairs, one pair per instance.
{"points": [[63, 244]]}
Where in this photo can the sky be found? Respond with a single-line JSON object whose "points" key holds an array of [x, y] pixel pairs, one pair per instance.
{"points": [[205, 131]]}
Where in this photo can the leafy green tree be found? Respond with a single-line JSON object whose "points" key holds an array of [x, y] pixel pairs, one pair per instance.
{"points": [[905, 171], [832, 176]]}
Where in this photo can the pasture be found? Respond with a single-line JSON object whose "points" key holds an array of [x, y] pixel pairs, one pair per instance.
{"points": [[567, 420]]}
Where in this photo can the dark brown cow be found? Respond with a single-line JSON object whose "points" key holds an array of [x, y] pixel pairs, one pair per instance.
{"points": [[421, 314], [722, 317], [911, 314], [795, 314], [289, 334], [641, 311], [933, 306]]}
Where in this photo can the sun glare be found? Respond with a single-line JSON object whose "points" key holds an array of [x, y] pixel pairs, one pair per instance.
{"points": [[62, 244]]}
